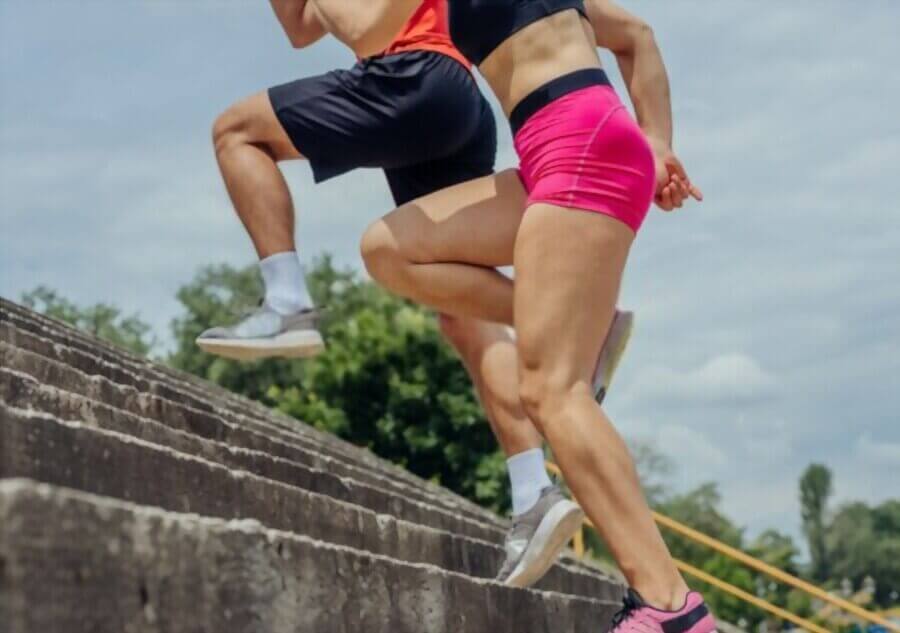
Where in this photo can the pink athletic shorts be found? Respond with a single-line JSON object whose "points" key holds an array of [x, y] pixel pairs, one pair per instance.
{"points": [[583, 150]]}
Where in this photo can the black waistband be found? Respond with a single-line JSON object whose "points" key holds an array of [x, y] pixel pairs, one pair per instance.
{"points": [[553, 90]]}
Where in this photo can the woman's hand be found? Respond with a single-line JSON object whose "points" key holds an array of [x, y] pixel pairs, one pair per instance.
{"points": [[673, 186]]}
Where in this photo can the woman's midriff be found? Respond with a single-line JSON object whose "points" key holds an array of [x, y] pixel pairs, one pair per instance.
{"points": [[552, 47]]}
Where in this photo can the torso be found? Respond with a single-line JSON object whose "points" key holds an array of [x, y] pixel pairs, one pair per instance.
{"points": [[540, 52], [427, 30]]}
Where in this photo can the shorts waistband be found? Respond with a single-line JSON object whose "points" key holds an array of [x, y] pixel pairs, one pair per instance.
{"points": [[553, 90]]}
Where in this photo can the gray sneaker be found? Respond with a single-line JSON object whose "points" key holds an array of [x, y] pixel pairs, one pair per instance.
{"points": [[612, 352], [264, 334], [537, 537]]}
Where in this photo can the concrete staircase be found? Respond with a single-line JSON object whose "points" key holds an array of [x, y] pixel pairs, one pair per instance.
{"points": [[137, 498]]}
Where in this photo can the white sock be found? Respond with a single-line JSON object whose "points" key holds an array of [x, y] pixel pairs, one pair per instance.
{"points": [[286, 290], [528, 477]]}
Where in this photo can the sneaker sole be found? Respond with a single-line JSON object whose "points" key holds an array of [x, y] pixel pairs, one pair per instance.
{"points": [[297, 344], [619, 335], [555, 530]]}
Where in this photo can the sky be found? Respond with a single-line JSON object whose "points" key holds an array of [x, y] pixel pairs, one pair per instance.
{"points": [[768, 317]]}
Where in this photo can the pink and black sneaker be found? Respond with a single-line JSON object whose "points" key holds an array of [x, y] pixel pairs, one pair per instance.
{"points": [[636, 616]]}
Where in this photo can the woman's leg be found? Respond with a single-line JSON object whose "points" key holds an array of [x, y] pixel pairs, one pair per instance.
{"points": [[442, 250], [568, 269]]}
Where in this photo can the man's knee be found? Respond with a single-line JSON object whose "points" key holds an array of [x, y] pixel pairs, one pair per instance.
{"points": [[252, 122], [230, 129]]}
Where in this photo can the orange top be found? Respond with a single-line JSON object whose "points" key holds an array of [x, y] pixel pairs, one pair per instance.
{"points": [[428, 30]]}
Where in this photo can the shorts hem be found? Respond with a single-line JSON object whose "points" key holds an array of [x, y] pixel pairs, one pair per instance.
{"points": [[574, 206], [321, 170]]}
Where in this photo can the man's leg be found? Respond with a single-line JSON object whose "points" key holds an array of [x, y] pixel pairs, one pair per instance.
{"points": [[249, 142], [488, 352]]}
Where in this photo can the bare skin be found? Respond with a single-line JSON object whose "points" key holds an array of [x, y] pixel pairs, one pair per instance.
{"points": [[414, 250], [488, 352], [568, 272], [249, 143]]}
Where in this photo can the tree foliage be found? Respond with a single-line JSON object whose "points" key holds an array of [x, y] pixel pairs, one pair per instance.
{"points": [[815, 490], [102, 320], [864, 541]]}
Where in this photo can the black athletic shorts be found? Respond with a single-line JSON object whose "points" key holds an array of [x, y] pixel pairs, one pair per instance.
{"points": [[418, 115]]}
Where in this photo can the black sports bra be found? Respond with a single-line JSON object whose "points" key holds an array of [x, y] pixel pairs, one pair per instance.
{"points": [[479, 26]]}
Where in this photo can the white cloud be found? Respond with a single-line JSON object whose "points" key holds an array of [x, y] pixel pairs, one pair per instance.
{"points": [[732, 378]]}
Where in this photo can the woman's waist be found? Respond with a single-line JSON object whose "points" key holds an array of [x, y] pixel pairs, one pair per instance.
{"points": [[562, 99], [547, 49]]}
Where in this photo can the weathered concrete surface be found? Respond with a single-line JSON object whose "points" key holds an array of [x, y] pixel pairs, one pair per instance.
{"points": [[295, 474], [70, 454], [68, 341], [263, 451], [96, 565], [17, 364], [55, 364], [79, 413], [224, 424]]}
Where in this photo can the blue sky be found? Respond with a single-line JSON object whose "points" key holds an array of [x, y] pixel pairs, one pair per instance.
{"points": [[768, 330]]}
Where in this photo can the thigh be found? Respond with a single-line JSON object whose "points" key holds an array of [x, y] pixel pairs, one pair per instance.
{"points": [[254, 121], [569, 267], [471, 223]]}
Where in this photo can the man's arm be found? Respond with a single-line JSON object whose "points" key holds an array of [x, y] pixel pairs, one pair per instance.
{"points": [[366, 26], [300, 21], [631, 40]]}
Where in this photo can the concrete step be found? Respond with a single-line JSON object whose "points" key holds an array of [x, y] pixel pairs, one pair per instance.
{"points": [[70, 454], [94, 564], [162, 377], [60, 342], [22, 391], [103, 363], [19, 363], [82, 352]]}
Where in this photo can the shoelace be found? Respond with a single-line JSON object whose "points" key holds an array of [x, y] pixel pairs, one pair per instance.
{"points": [[629, 606]]}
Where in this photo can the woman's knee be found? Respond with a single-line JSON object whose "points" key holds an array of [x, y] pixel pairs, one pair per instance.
{"points": [[546, 396], [381, 253]]}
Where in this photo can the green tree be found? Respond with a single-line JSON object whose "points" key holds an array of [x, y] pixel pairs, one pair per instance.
{"points": [[101, 320], [863, 541], [701, 509], [387, 380], [655, 469], [779, 550], [815, 490]]}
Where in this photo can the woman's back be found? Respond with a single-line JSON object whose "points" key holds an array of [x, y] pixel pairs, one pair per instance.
{"points": [[550, 44]]}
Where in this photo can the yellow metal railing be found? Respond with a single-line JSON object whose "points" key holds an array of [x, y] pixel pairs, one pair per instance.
{"points": [[749, 598], [754, 563]]}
